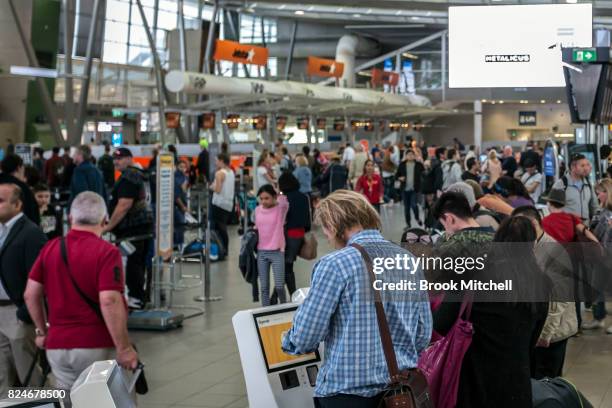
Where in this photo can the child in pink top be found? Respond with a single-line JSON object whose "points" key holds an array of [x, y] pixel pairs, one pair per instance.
{"points": [[269, 221]]}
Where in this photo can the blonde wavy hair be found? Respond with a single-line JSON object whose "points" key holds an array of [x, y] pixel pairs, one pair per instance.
{"points": [[344, 209], [606, 186]]}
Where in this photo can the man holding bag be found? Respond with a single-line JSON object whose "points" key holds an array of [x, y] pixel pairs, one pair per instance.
{"points": [[84, 293], [339, 309]]}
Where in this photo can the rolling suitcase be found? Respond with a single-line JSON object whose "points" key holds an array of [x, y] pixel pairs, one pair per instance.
{"points": [[156, 319]]}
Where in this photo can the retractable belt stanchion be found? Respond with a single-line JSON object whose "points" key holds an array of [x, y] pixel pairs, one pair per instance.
{"points": [[176, 282], [245, 198], [160, 318], [206, 297]]}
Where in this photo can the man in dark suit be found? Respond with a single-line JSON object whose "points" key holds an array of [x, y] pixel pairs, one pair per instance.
{"points": [[20, 242], [13, 172]]}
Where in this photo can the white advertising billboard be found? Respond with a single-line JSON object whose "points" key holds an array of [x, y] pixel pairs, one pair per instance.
{"points": [[514, 46]]}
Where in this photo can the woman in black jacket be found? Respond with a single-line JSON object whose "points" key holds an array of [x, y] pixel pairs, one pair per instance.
{"points": [[495, 371], [297, 224]]}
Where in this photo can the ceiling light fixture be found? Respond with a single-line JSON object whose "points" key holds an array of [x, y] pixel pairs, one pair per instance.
{"points": [[501, 102], [542, 101], [299, 12], [357, 15], [571, 1], [483, 100], [409, 55], [559, 101], [416, 17]]}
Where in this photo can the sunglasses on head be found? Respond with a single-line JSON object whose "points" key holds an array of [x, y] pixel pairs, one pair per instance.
{"points": [[413, 238]]}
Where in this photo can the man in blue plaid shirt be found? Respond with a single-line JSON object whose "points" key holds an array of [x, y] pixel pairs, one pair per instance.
{"points": [[339, 309]]}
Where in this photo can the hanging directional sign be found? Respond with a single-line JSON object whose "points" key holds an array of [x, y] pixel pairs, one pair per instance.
{"points": [[380, 77], [243, 53], [324, 67]]}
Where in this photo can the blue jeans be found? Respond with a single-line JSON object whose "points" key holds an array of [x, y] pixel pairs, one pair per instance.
{"points": [[410, 202], [389, 189]]}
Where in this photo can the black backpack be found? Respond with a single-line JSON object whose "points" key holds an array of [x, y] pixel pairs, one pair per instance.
{"points": [[106, 166]]}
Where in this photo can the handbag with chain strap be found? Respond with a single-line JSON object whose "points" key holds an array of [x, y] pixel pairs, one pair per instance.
{"points": [[407, 388]]}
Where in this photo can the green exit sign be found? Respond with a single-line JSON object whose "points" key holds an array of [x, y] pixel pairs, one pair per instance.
{"points": [[117, 112], [584, 55]]}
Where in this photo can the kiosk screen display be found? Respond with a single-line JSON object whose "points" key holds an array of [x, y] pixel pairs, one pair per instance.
{"points": [[270, 328]]}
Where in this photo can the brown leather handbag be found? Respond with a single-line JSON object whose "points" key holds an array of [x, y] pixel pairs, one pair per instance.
{"points": [[408, 388]]}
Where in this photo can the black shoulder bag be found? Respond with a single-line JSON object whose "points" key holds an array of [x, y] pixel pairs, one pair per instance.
{"points": [[140, 385]]}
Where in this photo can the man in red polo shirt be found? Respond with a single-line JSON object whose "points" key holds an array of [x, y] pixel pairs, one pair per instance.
{"points": [[83, 283]]}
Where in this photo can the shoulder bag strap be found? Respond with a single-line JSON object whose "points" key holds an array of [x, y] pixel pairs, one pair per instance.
{"points": [[93, 305], [466, 306], [383, 325]]}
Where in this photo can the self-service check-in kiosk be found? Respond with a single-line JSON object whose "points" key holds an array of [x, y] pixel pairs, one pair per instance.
{"points": [[274, 378]]}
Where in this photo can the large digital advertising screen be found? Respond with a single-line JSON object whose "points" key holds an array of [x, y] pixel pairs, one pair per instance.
{"points": [[514, 46]]}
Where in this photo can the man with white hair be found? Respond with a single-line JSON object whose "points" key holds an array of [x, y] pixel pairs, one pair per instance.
{"points": [[82, 278], [509, 164]]}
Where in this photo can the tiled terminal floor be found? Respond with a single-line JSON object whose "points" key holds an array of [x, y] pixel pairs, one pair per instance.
{"points": [[199, 366]]}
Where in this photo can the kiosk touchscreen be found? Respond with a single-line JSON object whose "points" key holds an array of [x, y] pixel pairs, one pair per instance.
{"points": [[274, 378]]}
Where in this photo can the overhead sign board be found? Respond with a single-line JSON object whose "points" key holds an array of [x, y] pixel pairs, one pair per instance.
{"points": [[208, 121], [514, 46], [173, 120], [528, 118], [584, 55], [380, 77], [24, 150], [242, 53], [164, 209], [324, 67]]}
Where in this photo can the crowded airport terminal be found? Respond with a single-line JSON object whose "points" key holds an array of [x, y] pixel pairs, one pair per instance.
{"points": [[305, 203]]}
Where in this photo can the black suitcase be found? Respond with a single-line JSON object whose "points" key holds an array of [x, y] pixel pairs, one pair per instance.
{"points": [[557, 393]]}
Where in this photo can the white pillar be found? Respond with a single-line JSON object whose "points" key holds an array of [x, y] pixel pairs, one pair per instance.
{"points": [[478, 125]]}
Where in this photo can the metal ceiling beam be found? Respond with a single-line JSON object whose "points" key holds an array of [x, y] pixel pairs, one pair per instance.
{"points": [[45, 96]]}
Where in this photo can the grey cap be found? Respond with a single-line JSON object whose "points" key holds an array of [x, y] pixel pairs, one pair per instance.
{"points": [[466, 190]]}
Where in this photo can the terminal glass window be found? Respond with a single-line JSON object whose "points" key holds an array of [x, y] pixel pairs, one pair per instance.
{"points": [[251, 33], [125, 39]]}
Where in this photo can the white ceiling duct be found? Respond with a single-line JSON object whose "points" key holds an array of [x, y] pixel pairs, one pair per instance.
{"points": [[204, 84], [345, 53]]}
